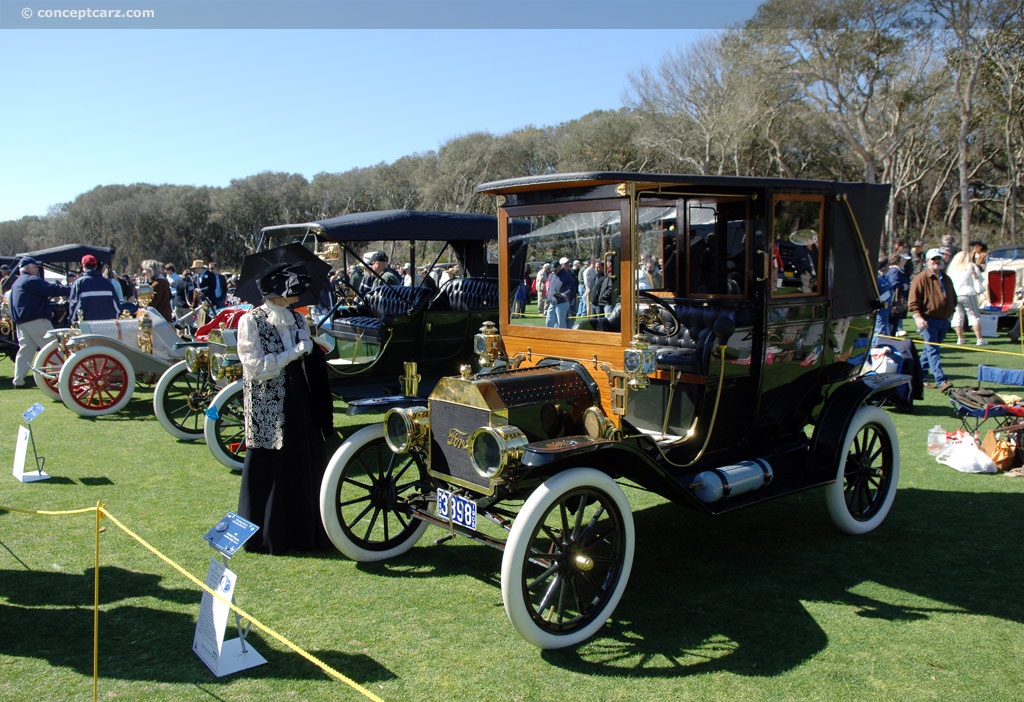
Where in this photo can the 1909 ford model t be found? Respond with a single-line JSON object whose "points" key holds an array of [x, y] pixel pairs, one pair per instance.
{"points": [[734, 379]]}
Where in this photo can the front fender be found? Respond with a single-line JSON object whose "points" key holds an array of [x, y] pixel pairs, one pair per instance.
{"points": [[382, 404], [616, 458]]}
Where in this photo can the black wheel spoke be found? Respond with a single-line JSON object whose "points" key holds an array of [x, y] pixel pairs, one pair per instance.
{"points": [[355, 501], [359, 517]]}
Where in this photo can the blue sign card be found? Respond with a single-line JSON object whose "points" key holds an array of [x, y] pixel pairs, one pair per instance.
{"points": [[33, 412], [230, 533]]}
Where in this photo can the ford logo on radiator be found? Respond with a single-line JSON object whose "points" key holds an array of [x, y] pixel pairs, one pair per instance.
{"points": [[458, 439]]}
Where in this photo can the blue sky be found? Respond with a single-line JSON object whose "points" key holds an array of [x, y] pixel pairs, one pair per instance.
{"points": [[202, 106]]}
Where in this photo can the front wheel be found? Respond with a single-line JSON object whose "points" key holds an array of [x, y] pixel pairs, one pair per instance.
{"points": [[180, 399], [46, 368], [95, 381], [364, 497], [869, 469], [224, 427], [567, 558]]}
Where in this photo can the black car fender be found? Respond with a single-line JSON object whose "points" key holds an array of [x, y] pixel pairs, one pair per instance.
{"points": [[616, 458], [834, 419]]}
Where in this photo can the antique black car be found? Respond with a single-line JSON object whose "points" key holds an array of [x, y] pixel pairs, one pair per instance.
{"points": [[390, 344], [719, 386]]}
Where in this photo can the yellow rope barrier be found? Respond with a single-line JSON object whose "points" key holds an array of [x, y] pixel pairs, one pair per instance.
{"points": [[958, 347], [101, 511]]}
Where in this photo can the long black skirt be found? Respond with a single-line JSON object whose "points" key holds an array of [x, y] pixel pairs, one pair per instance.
{"points": [[280, 488]]}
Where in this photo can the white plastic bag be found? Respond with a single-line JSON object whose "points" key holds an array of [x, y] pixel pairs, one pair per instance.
{"points": [[879, 361], [963, 454]]}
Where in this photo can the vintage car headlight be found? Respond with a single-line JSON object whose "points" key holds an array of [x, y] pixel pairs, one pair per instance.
{"points": [[493, 449], [406, 428], [598, 426], [224, 366], [479, 344], [196, 358]]}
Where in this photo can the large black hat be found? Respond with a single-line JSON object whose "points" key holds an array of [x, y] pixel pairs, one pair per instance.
{"points": [[284, 280]]}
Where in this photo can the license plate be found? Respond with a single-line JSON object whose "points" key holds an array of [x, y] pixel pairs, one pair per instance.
{"points": [[456, 509]]}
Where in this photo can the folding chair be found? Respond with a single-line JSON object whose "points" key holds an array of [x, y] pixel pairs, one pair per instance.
{"points": [[971, 418]]}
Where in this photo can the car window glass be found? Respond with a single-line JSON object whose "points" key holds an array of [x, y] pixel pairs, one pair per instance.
{"points": [[716, 247], [540, 241], [657, 231], [796, 252], [694, 246]]}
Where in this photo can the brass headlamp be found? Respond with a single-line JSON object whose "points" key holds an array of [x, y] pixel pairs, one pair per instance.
{"points": [[492, 450], [406, 428], [196, 358]]}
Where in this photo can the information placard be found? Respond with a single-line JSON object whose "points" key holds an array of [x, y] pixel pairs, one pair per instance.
{"points": [[228, 535], [33, 412]]}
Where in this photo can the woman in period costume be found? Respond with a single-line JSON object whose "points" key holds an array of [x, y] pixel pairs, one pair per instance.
{"points": [[288, 414]]}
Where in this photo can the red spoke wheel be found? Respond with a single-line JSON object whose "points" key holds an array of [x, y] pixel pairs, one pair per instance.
{"points": [[46, 368], [95, 381]]}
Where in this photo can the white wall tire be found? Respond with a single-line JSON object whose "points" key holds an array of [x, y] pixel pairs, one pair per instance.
{"points": [[95, 381], [46, 368], [363, 494], [867, 475], [567, 591], [225, 434]]}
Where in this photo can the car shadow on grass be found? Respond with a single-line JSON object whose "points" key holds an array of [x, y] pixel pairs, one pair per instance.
{"points": [[727, 593]]}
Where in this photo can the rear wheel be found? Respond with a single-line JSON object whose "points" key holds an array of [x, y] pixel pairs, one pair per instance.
{"points": [[869, 469], [224, 426], [364, 497], [568, 558], [96, 380], [180, 399], [46, 368]]}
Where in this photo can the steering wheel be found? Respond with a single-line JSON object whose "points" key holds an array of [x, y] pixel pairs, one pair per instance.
{"points": [[659, 319]]}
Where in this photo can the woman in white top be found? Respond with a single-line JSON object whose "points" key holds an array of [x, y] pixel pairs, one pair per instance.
{"points": [[968, 283]]}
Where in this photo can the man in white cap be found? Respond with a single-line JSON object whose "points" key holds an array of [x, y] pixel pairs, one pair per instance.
{"points": [[931, 302], [30, 310], [561, 292]]}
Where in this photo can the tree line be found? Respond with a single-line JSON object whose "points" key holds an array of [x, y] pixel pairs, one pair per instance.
{"points": [[926, 95]]}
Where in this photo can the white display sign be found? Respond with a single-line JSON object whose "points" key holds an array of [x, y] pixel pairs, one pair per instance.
{"points": [[20, 454], [220, 656]]}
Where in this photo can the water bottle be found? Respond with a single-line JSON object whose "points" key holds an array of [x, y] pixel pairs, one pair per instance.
{"points": [[936, 440]]}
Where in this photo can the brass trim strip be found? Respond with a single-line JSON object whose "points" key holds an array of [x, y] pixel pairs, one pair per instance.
{"points": [[860, 238]]}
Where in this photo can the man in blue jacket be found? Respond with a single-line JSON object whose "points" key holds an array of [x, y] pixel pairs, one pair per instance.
{"points": [[212, 284], [92, 294], [30, 310]]}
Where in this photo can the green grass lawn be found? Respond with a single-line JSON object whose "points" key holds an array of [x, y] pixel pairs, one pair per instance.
{"points": [[768, 603]]}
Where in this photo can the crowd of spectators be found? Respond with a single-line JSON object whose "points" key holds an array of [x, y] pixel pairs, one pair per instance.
{"points": [[96, 292]]}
